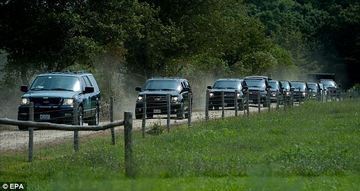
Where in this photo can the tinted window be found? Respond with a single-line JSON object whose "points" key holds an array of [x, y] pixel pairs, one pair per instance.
{"points": [[87, 81], [162, 85], [285, 85], [257, 83], [313, 86], [298, 85], [328, 83], [274, 85], [67, 83], [227, 84]]}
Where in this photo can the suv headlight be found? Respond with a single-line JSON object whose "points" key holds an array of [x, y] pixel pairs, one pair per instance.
{"points": [[140, 98], [304, 93], [174, 99], [238, 95], [68, 102], [211, 94], [25, 101]]}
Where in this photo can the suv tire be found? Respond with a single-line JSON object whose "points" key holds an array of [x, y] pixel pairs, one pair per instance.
{"points": [[180, 113], [95, 119]]}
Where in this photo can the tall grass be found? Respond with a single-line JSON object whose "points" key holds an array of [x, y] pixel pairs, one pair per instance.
{"points": [[315, 146]]}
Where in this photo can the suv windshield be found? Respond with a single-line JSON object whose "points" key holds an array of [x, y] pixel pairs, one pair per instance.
{"points": [[257, 83], [274, 85], [298, 85], [313, 86], [63, 83], [162, 85], [328, 83], [226, 84], [285, 85]]}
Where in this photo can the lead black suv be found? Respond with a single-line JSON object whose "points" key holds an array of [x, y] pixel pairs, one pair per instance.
{"points": [[228, 86], [57, 96], [156, 91]]}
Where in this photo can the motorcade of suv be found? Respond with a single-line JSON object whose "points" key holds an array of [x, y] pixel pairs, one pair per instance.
{"points": [[255, 85], [228, 86], [314, 90], [300, 90], [156, 90], [331, 88], [274, 90], [57, 96]]}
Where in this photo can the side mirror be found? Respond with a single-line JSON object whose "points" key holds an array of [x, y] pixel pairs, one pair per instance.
{"points": [[209, 87], [138, 89], [24, 89], [89, 90]]}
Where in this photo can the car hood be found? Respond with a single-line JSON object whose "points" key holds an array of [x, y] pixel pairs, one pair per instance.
{"points": [[256, 89], [172, 93], [63, 94], [223, 90]]}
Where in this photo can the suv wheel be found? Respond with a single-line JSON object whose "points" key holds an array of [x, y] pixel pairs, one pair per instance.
{"points": [[95, 119], [180, 113], [80, 116]]}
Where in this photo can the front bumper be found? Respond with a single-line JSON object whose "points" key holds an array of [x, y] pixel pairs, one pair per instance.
{"points": [[53, 114], [157, 108]]}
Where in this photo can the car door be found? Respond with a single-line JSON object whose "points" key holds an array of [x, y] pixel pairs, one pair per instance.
{"points": [[86, 97]]}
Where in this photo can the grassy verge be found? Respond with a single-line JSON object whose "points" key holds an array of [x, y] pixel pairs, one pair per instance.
{"points": [[313, 147]]}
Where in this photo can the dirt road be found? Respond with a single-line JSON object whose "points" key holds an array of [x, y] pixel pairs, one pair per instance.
{"points": [[13, 139]]}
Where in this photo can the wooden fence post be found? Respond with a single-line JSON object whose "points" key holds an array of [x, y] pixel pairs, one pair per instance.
{"points": [[259, 100], [128, 125], [76, 122], [207, 105], [236, 102], [277, 100], [113, 141], [247, 103], [268, 99], [31, 133], [143, 122], [189, 109], [222, 105], [168, 112]]}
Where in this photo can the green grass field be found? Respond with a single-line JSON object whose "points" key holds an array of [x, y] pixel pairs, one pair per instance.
{"points": [[312, 147]]}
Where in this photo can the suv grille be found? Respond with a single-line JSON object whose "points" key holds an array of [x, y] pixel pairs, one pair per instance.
{"points": [[45, 101]]}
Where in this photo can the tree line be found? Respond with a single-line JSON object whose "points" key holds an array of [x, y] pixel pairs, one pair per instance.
{"points": [[179, 38]]}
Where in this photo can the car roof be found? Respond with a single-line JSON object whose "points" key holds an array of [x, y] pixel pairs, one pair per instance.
{"points": [[273, 81], [168, 78], [229, 79], [65, 74], [257, 77], [312, 83]]}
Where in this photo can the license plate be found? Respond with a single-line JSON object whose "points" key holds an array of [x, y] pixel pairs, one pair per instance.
{"points": [[157, 110], [44, 116]]}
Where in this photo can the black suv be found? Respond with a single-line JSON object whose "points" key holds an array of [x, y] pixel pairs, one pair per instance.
{"points": [[314, 90], [257, 84], [156, 91], [228, 86], [300, 90], [56, 96], [331, 88], [275, 90]]}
